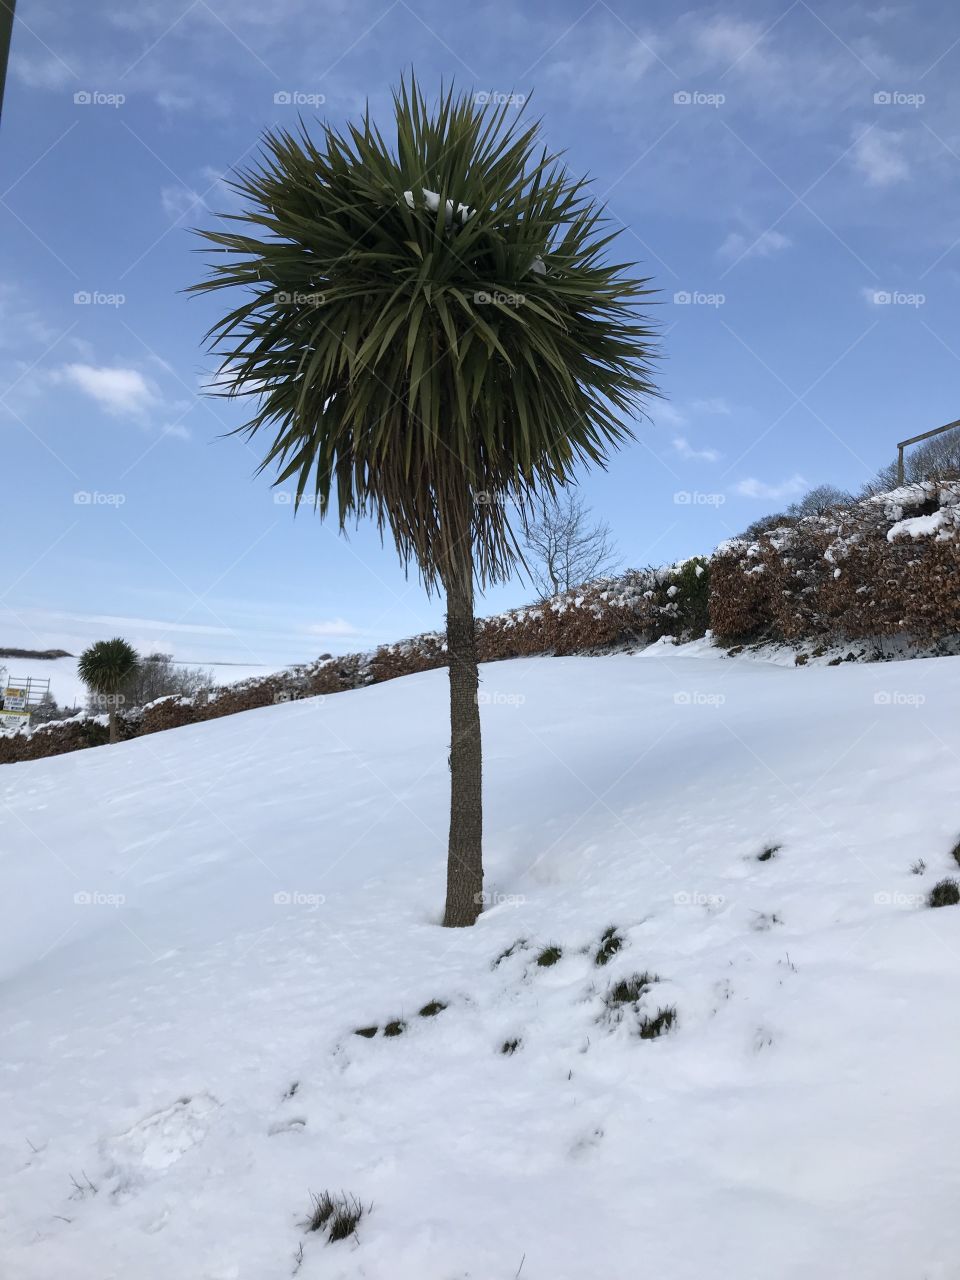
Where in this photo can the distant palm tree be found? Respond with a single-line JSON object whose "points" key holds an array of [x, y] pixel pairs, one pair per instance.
{"points": [[435, 336], [104, 668]]}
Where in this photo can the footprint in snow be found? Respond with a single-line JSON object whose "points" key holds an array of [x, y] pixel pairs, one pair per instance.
{"points": [[158, 1141]]}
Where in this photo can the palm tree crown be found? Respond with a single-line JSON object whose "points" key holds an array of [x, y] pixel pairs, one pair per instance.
{"points": [[432, 328]]}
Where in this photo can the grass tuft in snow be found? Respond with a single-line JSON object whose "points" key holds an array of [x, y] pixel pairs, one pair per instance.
{"points": [[367, 1032], [345, 1219], [337, 1214], [629, 990], [510, 1046], [510, 951], [766, 854], [610, 944], [944, 894], [395, 1028], [919, 867], [549, 955], [659, 1024], [432, 1009], [955, 853]]}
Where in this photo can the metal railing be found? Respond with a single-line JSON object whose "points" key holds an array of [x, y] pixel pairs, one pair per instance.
{"points": [[916, 440]]}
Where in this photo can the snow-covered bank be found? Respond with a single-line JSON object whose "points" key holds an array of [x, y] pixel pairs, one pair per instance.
{"points": [[195, 922]]}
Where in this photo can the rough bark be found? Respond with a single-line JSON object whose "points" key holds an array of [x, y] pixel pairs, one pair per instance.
{"points": [[464, 849]]}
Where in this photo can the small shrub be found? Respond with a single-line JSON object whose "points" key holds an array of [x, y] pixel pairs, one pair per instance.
{"points": [[610, 944], [367, 1032], [955, 853], [944, 894], [549, 956], [432, 1009], [510, 1046], [395, 1028], [766, 854], [651, 1027]]}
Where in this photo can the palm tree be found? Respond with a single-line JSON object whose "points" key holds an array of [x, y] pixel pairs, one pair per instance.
{"points": [[104, 668], [434, 336]]}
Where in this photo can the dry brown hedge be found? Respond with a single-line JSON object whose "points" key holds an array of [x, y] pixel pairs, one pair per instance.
{"points": [[851, 575]]}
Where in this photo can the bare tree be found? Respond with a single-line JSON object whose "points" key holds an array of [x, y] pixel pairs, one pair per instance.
{"points": [[564, 547], [820, 501]]}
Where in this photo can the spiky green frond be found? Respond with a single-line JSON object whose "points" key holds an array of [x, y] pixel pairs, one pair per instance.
{"points": [[106, 665], [433, 329]]}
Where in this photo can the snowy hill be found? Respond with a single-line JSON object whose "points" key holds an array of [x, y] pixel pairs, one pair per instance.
{"points": [[196, 923]]}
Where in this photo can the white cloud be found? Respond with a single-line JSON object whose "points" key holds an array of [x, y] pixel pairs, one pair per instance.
{"points": [[753, 488], [178, 202], [665, 414], [715, 404], [686, 450], [333, 627], [878, 154], [176, 429], [738, 245], [120, 392]]}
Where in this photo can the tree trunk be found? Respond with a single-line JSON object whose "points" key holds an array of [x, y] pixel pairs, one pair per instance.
{"points": [[112, 721], [465, 847]]}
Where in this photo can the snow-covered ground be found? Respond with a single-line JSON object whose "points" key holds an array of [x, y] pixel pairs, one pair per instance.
{"points": [[195, 923]]}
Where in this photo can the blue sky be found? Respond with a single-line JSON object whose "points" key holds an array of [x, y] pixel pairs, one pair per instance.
{"points": [[786, 172]]}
